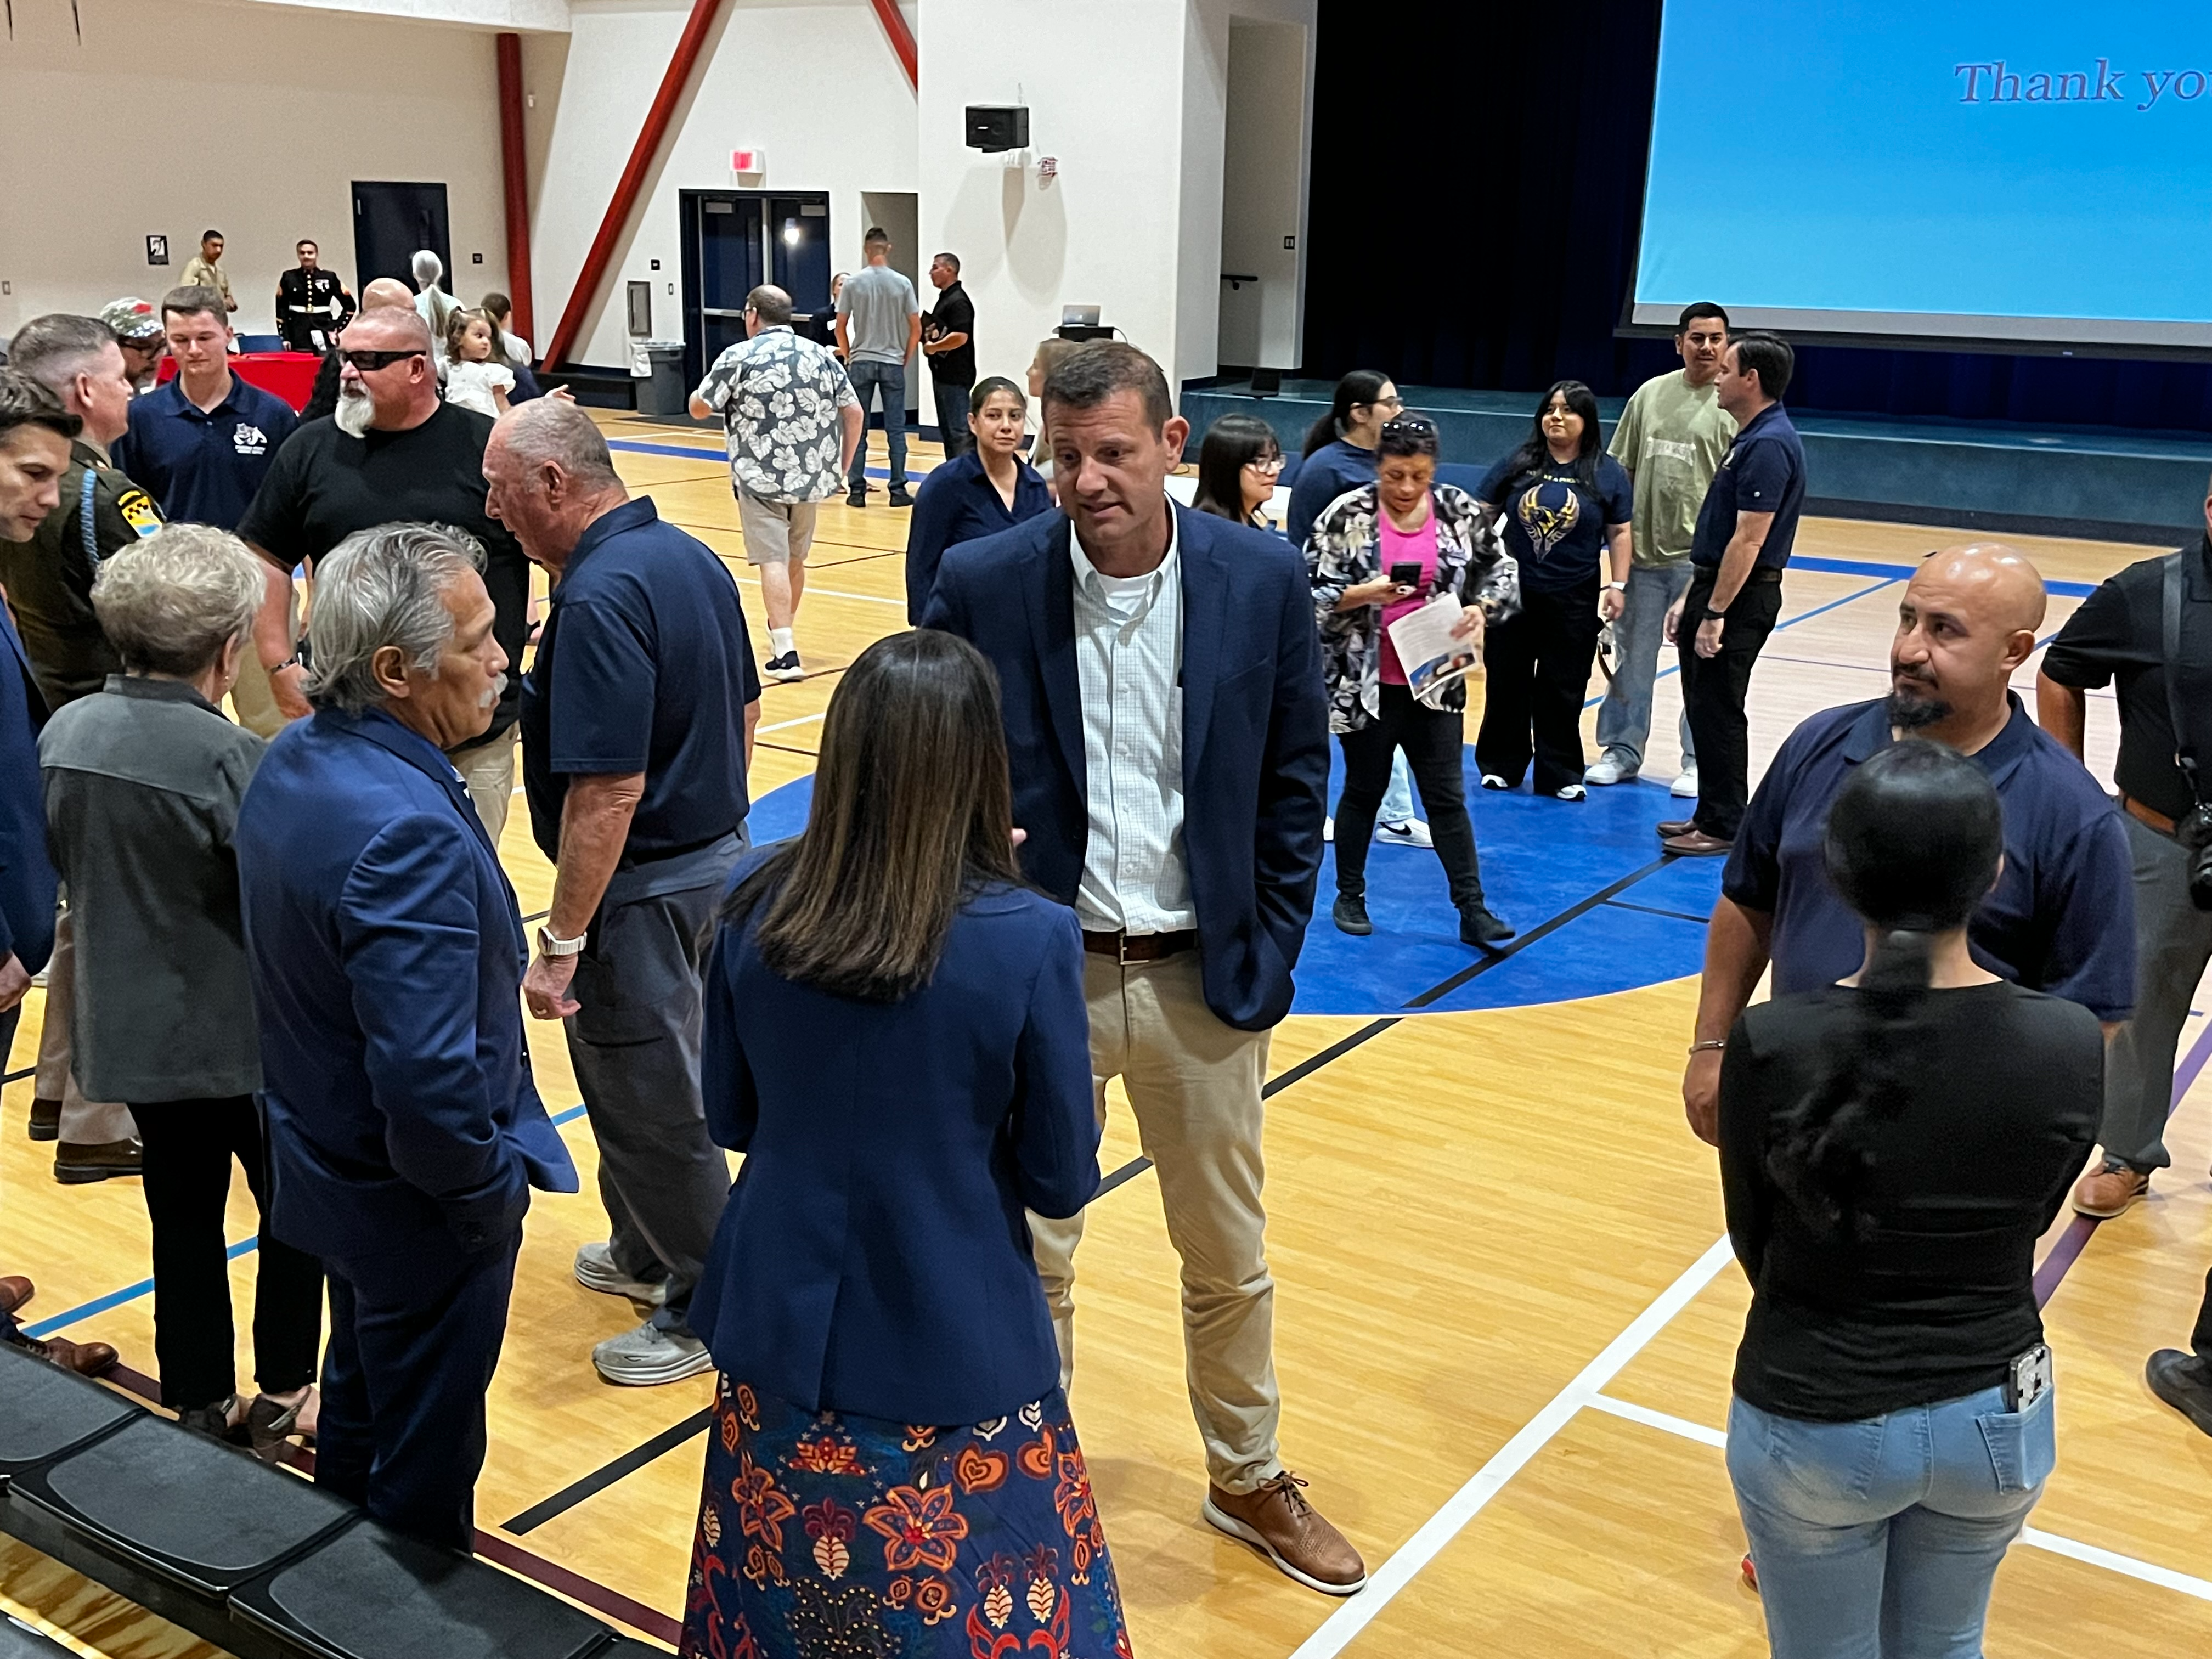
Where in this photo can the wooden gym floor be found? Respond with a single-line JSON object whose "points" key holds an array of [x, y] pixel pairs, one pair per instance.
{"points": [[1505, 1317]]}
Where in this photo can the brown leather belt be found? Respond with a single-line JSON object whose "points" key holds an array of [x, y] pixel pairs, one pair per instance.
{"points": [[1125, 948], [2149, 815]]}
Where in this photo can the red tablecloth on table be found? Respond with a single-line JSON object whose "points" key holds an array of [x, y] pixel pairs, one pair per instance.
{"points": [[289, 374]]}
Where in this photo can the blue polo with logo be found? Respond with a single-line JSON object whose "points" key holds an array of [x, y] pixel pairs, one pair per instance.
{"points": [[204, 466], [1763, 471]]}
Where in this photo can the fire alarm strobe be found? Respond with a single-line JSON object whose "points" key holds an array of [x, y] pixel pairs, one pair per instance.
{"points": [[749, 160], [995, 127]]}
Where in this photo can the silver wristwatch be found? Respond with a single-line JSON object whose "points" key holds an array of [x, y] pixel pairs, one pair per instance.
{"points": [[551, 945]]}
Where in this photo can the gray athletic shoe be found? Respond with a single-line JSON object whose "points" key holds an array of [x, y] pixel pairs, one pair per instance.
{"points": [[596, 1271], [648, 1355]]}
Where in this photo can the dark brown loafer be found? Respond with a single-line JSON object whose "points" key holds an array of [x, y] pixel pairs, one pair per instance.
{"points": [[1666, 827], [1276, 1520], [45, 1120], [77, 1163], [1695, 843], [85, 1358], [15, 1292], [2111, 1191]]}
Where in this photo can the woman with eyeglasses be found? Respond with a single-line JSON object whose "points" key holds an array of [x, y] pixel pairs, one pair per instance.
{"points": [[1339, 448], [989, 488], [1566, 506], [1377, 554], [1237, 466]]}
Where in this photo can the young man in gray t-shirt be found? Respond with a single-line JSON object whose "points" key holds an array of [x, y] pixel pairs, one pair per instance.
{"points": [[878, 326]]}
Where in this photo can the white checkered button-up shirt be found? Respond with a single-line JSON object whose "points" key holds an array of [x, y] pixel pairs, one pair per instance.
{"points": [[1128, 656]]}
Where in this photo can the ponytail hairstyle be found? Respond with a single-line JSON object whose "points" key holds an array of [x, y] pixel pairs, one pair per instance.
{"points": [[1913, 845], [1362, 386]]}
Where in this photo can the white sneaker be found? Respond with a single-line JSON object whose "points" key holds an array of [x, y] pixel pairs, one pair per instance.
{"points": [[1606, 769], [596, 1271], [1491, 781], [1406, 832], [647, 1356], [1570, 792], [1685, 787]]}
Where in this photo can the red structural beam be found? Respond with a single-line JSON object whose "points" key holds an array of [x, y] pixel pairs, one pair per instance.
{"points": [[693, 41], [902, 37], [515, 171]]}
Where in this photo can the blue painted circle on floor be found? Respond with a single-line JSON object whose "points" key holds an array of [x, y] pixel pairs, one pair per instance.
{"points": [[1542, 860]]}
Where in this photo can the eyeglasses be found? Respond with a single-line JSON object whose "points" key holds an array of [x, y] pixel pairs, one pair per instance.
{"points": [[1393, 402], [367, 363], [1264, 464]]}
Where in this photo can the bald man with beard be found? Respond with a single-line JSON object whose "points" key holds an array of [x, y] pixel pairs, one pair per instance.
{"points": [[2061, 916]]}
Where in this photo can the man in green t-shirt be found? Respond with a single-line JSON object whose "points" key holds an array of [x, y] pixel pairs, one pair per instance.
{"points": [[1671, 438]]}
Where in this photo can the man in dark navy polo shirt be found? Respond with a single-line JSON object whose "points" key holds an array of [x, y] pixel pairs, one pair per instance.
{"points": [[201, 445], [637, 722], [2061, 916], [1744, 532]]}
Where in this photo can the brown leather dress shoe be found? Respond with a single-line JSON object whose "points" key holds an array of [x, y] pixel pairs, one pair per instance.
{"points": [[45, 1120], [1666, 827], [1276, 1520], [77, 1163], [2111, 1191], [15, 1292], [1695, 843], [85, 1358]]}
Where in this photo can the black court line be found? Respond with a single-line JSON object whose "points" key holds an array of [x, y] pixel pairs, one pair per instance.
{"points": [[17, 1077], [540, 916], [607, 1473], [763, 742], [630, 1462], [1655, 910]]}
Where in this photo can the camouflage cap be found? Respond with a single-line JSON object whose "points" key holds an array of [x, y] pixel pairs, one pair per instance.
{"points": [[134, 321]]}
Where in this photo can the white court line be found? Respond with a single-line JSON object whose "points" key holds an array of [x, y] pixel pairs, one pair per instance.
{"points": [[1356, 1612], [784, 726], [2165, 1578], [834, 594]]}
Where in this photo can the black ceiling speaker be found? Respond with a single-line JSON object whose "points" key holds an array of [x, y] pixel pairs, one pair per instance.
{"points": [[997, 127]]}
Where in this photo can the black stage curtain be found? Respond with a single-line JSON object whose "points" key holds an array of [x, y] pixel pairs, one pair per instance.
{"points": [[1478, 182]]}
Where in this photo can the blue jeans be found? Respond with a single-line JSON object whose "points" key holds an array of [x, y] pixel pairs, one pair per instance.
{"points": [[1879, 1540], [890, 379], [1624, 720]]}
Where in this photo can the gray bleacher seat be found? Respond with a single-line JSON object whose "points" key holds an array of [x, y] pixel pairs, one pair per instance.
{"points": [[45, 1411]]}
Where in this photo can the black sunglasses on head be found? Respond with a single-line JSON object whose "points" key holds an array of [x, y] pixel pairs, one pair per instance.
{"points": [[369, 362], [1409, 426]]}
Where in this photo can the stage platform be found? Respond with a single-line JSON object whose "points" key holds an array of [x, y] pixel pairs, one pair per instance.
{"points": [[2104, 483]]}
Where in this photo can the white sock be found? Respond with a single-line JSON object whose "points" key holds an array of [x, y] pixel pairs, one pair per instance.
{"points": [[779, 642]]}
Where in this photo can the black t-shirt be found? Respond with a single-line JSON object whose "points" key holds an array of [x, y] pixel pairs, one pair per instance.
{"points": [[1936, 1298], [324, 486], [1555, 523], [954, 314], [2119, 633]]}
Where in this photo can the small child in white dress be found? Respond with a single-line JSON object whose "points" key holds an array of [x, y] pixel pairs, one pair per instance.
{"points": [[477, 375]]}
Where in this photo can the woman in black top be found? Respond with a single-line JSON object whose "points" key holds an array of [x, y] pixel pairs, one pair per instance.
{"points": [[1891, 1150], [1565, 506]]}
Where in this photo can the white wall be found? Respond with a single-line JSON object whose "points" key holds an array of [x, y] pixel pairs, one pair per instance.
{"points": [[1263, 193], [479, 14], [816, 86], [284, 109]]}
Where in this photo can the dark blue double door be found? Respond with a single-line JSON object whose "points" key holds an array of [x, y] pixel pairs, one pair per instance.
{"points": [[733, 242]]}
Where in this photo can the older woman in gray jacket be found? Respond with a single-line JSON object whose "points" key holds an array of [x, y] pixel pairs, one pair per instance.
{"points": [[142, 782]]}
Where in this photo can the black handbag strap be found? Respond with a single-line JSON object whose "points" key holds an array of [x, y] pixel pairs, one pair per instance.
{"points": [[2173, 595]]}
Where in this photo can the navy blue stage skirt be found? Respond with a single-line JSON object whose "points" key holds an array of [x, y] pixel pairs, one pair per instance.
{"points": [[824, 1533]]}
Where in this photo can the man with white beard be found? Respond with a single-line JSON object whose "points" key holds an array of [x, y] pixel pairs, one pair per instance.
{"points": [[392, 453]]}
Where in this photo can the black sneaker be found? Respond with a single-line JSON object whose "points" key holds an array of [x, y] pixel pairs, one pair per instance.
{"points": [[900, 498], [2182, 1381], [1478, 927], [1350, 916], [857, 497], [785, 667]]}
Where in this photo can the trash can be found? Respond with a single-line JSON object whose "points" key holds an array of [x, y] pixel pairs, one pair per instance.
{"points": [[656, 371]]}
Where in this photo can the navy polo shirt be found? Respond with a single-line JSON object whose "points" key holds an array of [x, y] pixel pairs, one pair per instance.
{"points": [[2061, 919], [1763, 471], [203, 467], [644, 664]]}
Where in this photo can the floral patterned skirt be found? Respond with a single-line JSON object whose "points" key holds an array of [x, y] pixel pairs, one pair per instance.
{"points": [[825, 1536]]}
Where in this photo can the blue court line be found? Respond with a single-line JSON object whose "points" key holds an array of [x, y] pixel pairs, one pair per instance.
{"points": [[100, 1304], [568, 1116], [1902, 575], [692, 453], [1863, 568]]}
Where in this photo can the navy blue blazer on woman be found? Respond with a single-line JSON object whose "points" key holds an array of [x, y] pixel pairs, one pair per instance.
{"points": [[874, 1257], [957, 502], [27, 881], [387, 954], [1255, 733]]}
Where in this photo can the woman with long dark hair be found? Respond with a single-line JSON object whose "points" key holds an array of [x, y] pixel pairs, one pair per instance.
{"points": [[1237, 466], [1566, 506], [1339, 448], [1891, 1149], [988, 489], [895, 1038], [1404, 524]]}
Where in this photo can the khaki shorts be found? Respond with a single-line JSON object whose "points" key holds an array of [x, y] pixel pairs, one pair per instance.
{"points": [[777, 532]]}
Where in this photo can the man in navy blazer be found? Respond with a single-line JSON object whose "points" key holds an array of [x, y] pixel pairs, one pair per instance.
{"points": [[1159, 677], [387, 950]]}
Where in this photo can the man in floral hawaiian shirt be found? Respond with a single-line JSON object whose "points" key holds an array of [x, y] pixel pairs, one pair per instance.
{"points": [[793, 422]]}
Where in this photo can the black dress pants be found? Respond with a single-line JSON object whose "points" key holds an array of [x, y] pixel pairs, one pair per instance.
{"points": [[1537, 669], [1432, 739], [1715, 689], [189, 1145]]}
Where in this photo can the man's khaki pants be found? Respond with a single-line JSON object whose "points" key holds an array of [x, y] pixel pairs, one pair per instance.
{"points": [[84, 1122], [251, 700], [1194, 1085], [487, 770]]}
